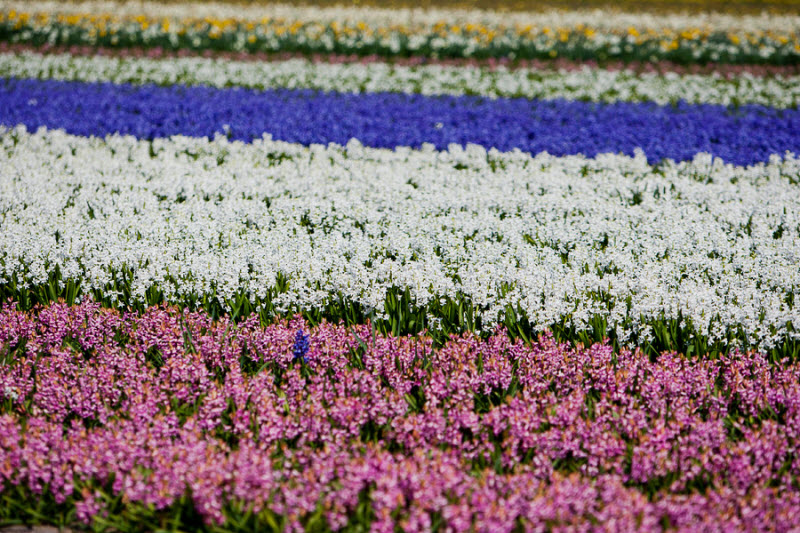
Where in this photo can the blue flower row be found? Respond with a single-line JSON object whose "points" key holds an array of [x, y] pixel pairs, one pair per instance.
{"points": [[744, 135]]}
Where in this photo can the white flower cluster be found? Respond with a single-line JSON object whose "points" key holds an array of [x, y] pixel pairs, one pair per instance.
{"points": [[419, 17], [560, 238], [596, 85]]}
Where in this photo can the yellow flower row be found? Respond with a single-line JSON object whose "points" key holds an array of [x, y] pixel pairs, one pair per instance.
{"points": [[442, 28], [273, 34]]}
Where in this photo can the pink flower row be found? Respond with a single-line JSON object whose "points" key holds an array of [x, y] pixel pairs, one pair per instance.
{"points": [[482, 434], [661, 67]]}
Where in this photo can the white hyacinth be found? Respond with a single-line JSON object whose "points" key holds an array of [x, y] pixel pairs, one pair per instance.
{"points": [[596, 85], [559, 238]]}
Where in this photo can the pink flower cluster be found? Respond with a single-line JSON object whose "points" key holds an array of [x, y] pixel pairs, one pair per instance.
{"points": [[484, 435]]}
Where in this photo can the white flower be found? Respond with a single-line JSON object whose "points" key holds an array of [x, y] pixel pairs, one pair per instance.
{"points": [[555, 237], [587, 84]]}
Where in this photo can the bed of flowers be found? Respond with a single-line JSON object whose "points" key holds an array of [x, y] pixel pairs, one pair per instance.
{"points": [[441, 33], [339, 269]]}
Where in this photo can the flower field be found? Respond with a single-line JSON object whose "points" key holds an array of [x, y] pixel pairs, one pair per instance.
{"points": [[324, 268], [390, 33]]}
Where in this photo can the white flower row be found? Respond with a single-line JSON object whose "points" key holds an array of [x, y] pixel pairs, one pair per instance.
{"points": [[419, 17], [552, 236], [587, 84]]}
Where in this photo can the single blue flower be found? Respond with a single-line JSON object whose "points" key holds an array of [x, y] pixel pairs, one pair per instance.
{"points": [[300, 348]]}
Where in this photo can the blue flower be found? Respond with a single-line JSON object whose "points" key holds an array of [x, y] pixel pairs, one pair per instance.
{"points": [[745, 135], [300, 348]]}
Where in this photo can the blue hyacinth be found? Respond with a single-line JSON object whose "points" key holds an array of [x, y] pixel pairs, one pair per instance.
{"points": [[743, 136], [300, 348]]}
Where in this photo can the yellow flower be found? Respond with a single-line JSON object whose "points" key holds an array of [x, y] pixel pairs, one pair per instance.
{"points": [[690, 34]]}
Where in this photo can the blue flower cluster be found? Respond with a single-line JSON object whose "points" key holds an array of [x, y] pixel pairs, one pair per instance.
{"points": [[300, 348], [743, 135]]}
